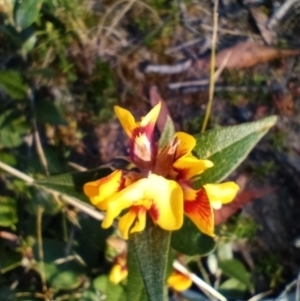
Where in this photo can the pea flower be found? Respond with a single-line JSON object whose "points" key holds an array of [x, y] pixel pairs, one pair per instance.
{"points": [[119, 269], [162, 188], [179, 282]]}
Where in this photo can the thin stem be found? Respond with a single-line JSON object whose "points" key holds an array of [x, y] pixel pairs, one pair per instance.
{"points": [[212, 68], [40, 246]]}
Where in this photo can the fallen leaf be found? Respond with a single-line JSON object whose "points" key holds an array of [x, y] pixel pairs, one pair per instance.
{"points": [[240, 201], [247, 54]]}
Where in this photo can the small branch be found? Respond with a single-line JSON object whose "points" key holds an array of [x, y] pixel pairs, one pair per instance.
{"points": [[72, 201], [18, 174]]}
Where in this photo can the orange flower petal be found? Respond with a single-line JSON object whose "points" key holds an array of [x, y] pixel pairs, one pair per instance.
{"points": [[186, 143], [149, 120], [197, 207], [179, 282], [189, 166], [222, 193], [98, 191], [126, 119]]}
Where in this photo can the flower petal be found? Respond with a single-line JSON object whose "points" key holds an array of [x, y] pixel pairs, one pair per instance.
{"points": [[118, 273], [223, 193], [126, 221], [197, 207], [98, 191], [126, 119], [148, 122], [167, 206], [179, 282], [161, 197], [190, 166], [186, 143]]}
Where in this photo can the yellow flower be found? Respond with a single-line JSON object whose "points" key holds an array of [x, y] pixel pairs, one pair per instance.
{"points": [[163, 187], [119, 270], [179, 282]]}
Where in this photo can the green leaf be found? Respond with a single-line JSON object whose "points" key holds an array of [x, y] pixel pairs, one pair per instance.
{"points": [[151, 249], [12, 83], [72, 183], [196, 244], [111, 291], [233, 284], [66, 280], [228, 147], [47, 112], [27, 12], [235, 269], [168, 133], [8, 212], [8, 158], [91, 240], [135, 285]]}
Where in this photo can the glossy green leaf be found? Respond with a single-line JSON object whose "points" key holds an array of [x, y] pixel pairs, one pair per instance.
{"points": [[12, 83], [27, 12], [151, 249], [112, 292], [72, 183], [235, 269], [196, 244], [228, 147]]}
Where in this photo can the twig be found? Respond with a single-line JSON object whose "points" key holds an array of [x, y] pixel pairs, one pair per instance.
{"points": [[40, 246], [16, 173], [280, 13], [168, 69], [260, 296], [199, 282], [212, 67], [70, 200]]}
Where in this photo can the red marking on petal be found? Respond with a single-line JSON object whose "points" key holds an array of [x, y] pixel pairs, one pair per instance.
{"points": [[154, 212], [199, 207]]}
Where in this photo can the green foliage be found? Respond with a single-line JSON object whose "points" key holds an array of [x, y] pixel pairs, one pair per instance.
{"points": [[196, 244], [151, 251], [27, 12], [109, 290], [12, 129], [8, 212], [228, 147], [13, 84], [235, 269]]}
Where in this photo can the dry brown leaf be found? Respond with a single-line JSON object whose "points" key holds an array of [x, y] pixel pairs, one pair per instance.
{"points": [[284, 103], [247, 54], [155, 98]]}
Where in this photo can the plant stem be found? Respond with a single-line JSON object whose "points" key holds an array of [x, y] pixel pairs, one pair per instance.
{"points": [[212, 68]]}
